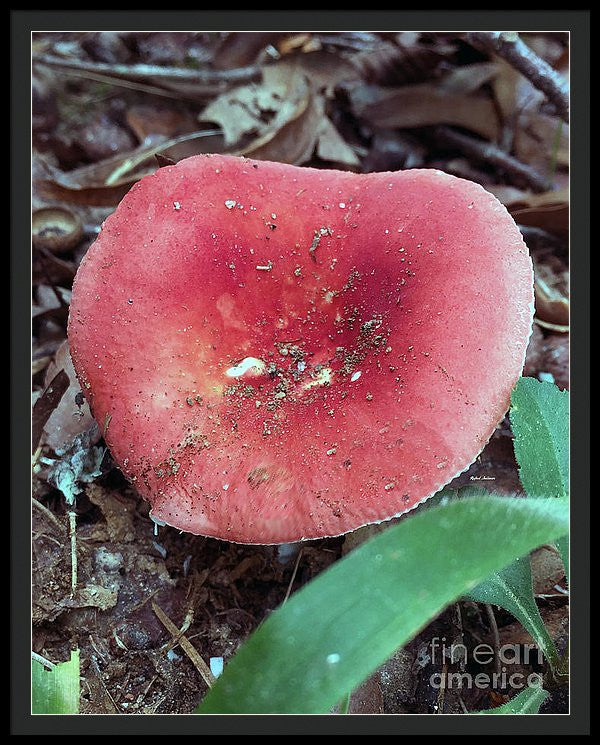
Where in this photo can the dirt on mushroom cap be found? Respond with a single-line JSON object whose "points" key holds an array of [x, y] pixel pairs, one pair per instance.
{"points": [[290, 353]]}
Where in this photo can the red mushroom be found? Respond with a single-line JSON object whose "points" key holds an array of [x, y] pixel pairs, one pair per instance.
{"points": [[279, 353]]}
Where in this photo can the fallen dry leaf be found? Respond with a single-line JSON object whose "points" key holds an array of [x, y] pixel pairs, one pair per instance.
{"points": [[424, 106], [146, 120], [324, 69], [548, 354], [52, 302], [469, 78], [298, 42], [118, 513], [392, 150], [72, 415], [237, 50], [102, 138], [528, 133], [85, 185], [260, 109], [92, 596], [554, 218], [548, 211], [51, 269], [550, 47], [547, 570], [509, 195], [403, 62], [106, 182], [293, 142], [175, 149], [555, 619], [46, 404], [551, 306], [541, 141], [534, 359], [332, 147], [505, 86]]}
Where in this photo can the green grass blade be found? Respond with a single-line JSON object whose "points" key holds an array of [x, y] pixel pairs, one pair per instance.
{"points": [[512, 589], [55, 691], [526, 702], [337, 630], [539, 416]]}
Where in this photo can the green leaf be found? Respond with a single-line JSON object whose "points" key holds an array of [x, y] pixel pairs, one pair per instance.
{"points": [[339, 628], [55, 691], [526, 702], [539, 416], [512, 589]]}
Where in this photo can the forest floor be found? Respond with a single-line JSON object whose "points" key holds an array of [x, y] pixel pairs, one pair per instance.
{"points": [[149, 607]]}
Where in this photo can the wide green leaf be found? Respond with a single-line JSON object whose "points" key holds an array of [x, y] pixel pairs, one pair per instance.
{"points": [[340, 627], [512, 589], [539, 416], [526, 702], [55, 691]]}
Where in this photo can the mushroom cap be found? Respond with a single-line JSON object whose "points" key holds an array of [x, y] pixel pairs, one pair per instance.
{"points": [[279, 353]]}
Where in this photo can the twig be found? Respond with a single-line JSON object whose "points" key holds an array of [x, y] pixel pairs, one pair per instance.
{"points": [[488, 153], [289, 589], [187, 622], [143, 602], [42, 660], [158, 703], [556, 327], [122, 83], [194, 585], [461, 629], [442, 692], [103, 684], [129, 163], [102, 653], [147, 689], [36, 535], [46, 512], [509, 46], [120, 643], [558, 595], [540, 74], [496, 633], [141, 71], [186, 645], [73, 537], [122, 687]]}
